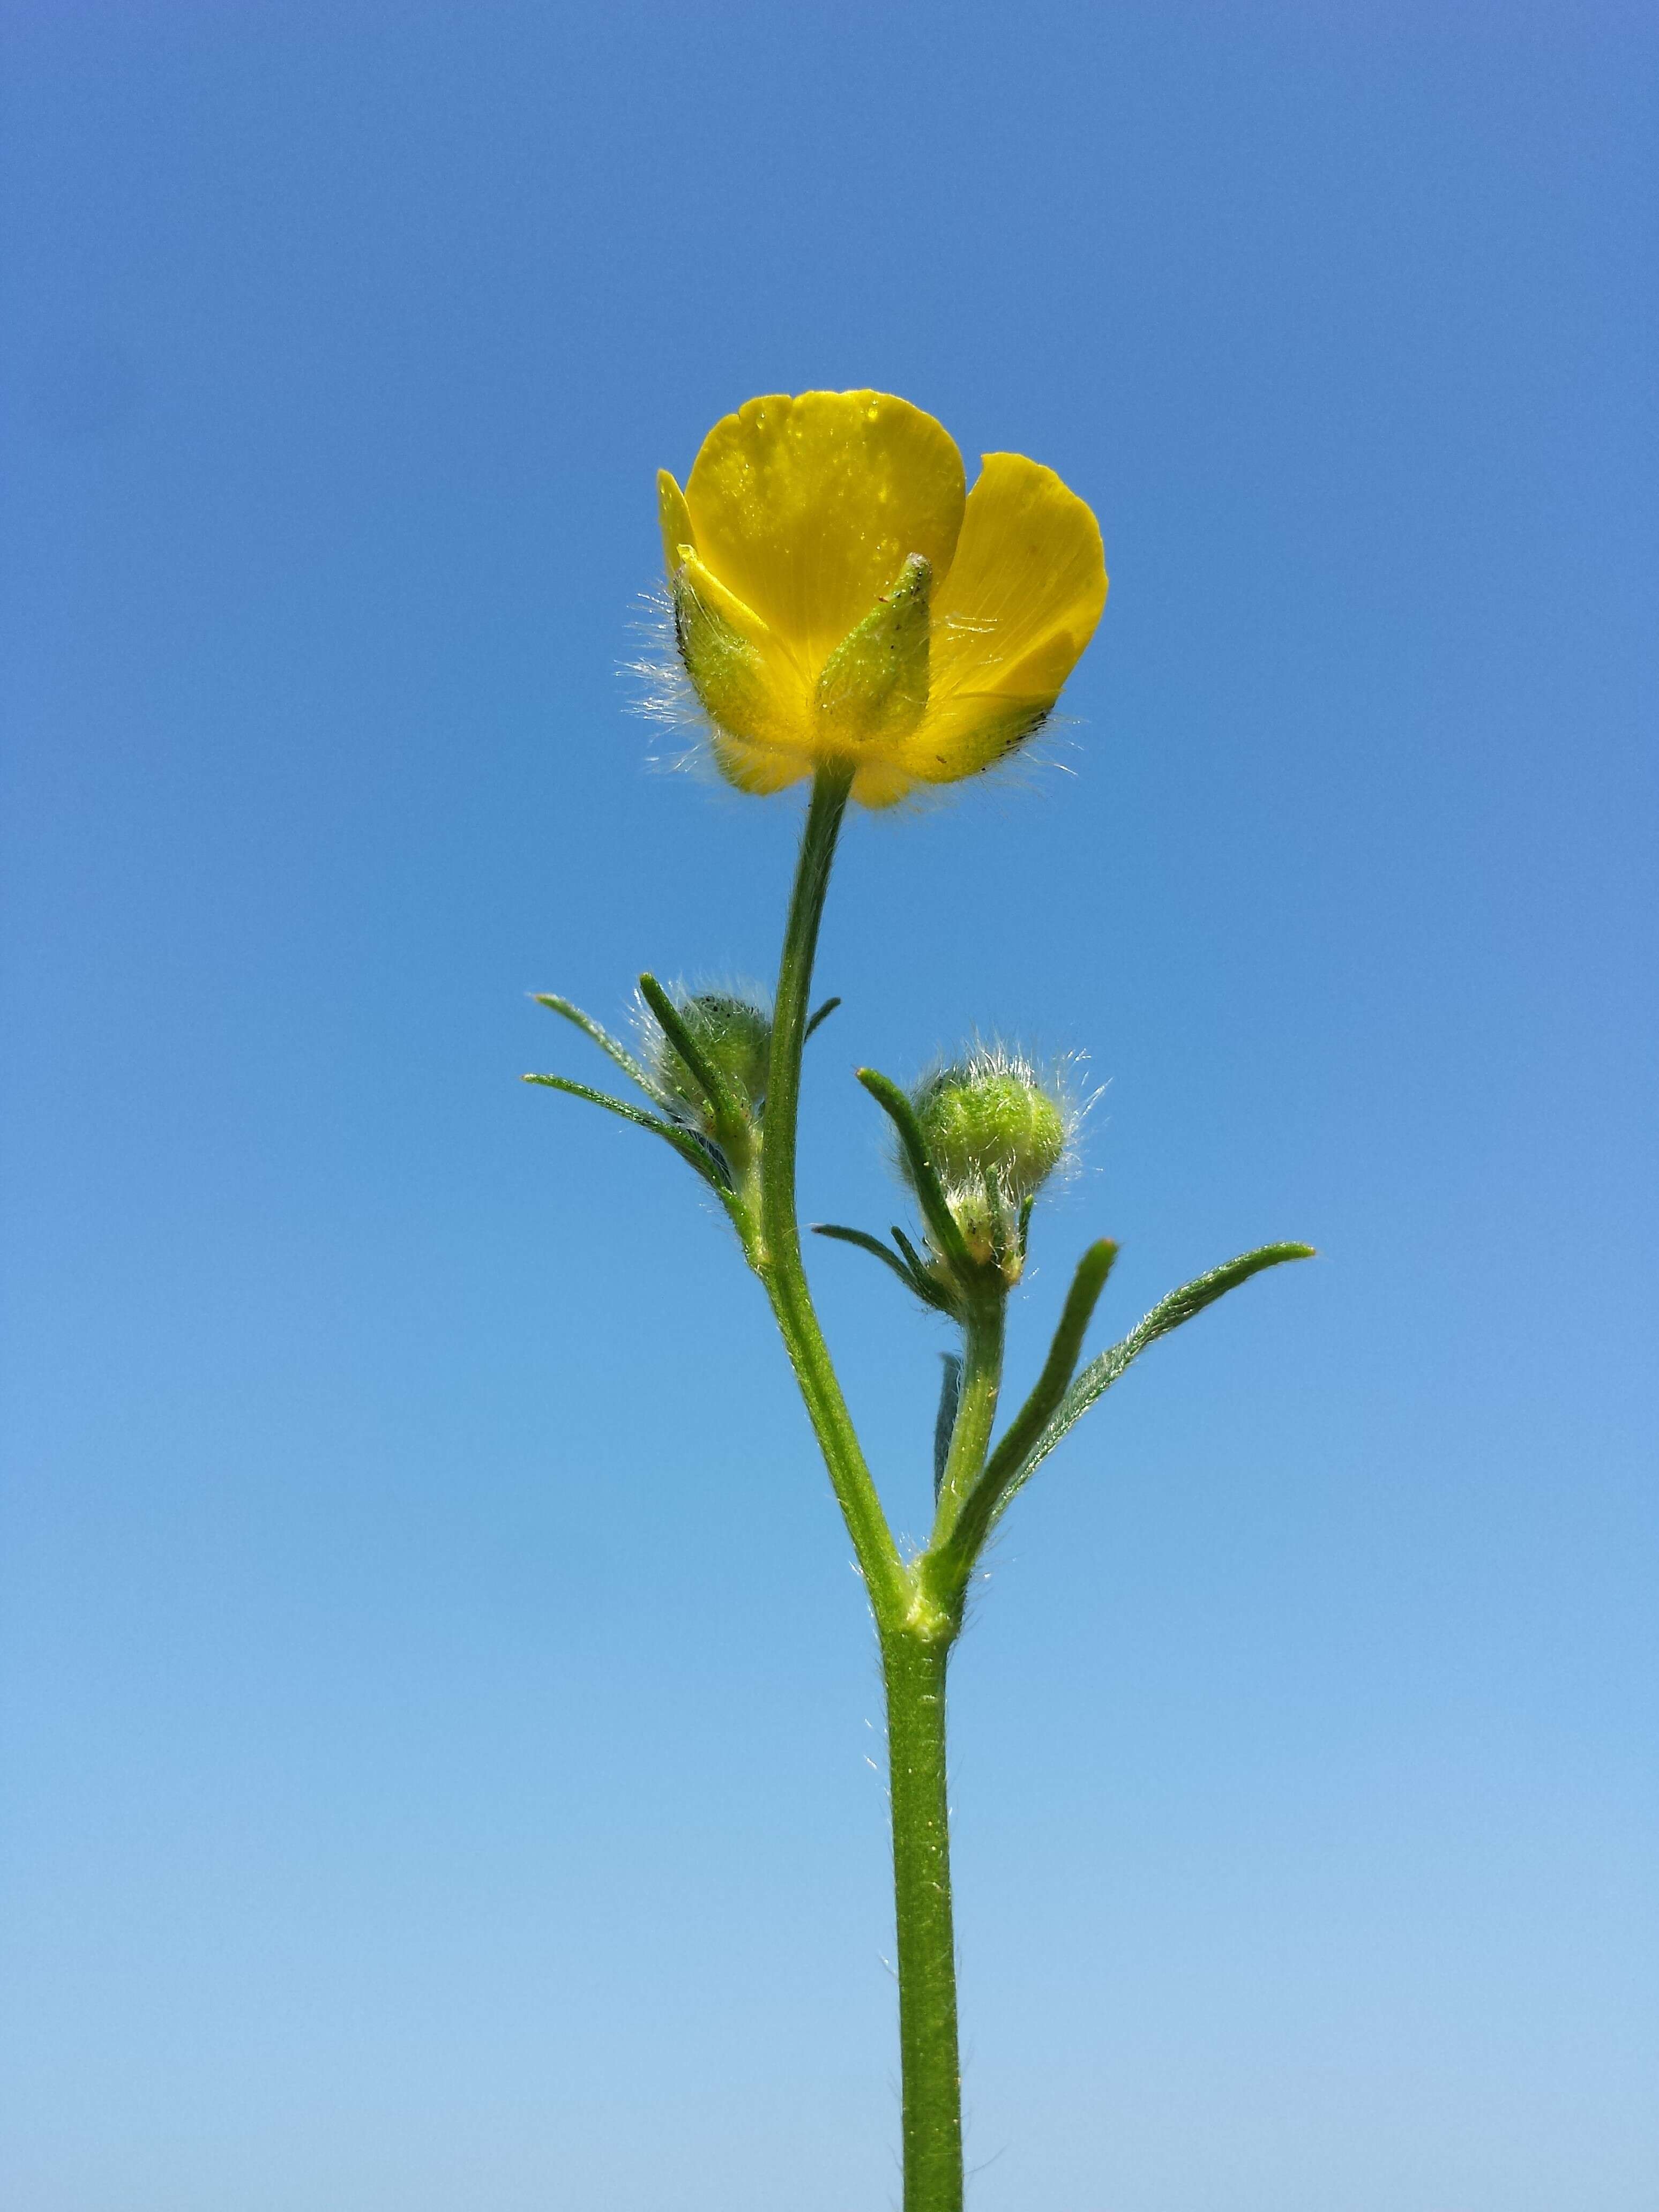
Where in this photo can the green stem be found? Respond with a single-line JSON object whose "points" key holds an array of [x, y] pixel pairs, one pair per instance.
{"points": [[914, 1668], [915, 1635], [956, 1543], [779, 1258], [976, 1408]]}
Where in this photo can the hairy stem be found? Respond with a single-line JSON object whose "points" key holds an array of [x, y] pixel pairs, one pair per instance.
{"points": [[914, 1668], [915, 1637], [976, 1408], [779, 1258], [957, 1542]]}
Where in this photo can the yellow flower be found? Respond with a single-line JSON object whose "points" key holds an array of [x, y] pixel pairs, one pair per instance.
{"points": [[839, 597]]}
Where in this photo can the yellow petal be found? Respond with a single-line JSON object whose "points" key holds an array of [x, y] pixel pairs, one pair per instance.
{"points": [[760, 769], [1010, 620], [882, 782], [807, 509], [675, 518], [1028, 566]]}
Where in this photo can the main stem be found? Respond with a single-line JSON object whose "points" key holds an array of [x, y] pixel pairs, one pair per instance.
{"points": [[915, 1635], [931, 2069]]}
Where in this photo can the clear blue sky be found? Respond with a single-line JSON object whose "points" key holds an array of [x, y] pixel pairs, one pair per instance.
{"points": [[436, 1699]]}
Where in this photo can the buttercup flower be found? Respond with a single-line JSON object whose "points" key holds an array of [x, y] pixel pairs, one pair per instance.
{"points": [[840, 596]]}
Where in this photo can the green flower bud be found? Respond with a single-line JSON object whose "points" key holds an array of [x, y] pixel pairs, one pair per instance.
{"points": [[734, 1037], [995, 1131]]}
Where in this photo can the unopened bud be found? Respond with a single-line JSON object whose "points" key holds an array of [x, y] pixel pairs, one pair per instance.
{"points": [[733, 1035], [995, 1132]]}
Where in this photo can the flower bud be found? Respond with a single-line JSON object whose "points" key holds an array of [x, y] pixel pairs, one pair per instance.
{"points": [[734, 1037], [995, 1132]]}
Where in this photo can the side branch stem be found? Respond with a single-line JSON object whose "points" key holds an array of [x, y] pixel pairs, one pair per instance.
{"points": [[976, 1408]]}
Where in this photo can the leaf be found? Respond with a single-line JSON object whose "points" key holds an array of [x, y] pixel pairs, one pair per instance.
{"points": [[703, 1157], [1098, 1376], [912, 1278], [821, 1015], [929, 1191], [722, 1104], [602, 1037], [1005, 1469], [917, 1265]]}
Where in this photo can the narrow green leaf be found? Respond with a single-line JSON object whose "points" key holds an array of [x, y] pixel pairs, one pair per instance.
{"points": [[726, 1108], [703, 1157], [929, 1191], [1006, 1469], [866, 1242], [602, 1037], [821, 1015], [1098, 1376], [917, 1265], [912, 1280]]}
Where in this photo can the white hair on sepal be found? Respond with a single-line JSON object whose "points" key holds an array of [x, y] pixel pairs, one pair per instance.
{"points": [[1075, 1173], [1039, 755], [1025, 765], [665, 696], [1025, 770], [1061, 1076], [999, 1125], [1057, 1076]]}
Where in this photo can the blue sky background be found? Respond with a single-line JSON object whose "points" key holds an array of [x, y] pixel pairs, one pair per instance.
{"points": [[437, 1702]]}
